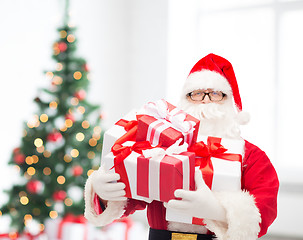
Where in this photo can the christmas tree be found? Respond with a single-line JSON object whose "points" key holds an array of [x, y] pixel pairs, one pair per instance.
{"points": [[60, 146]]}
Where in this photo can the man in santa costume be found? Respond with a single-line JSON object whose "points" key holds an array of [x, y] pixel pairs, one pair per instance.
{"points": [[211, 94]]}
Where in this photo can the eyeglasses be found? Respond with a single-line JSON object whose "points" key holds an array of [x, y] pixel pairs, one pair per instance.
{"points": [[214, 96]]}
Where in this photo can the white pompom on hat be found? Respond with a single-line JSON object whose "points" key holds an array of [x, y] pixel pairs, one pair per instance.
{"points": [[215, 72]]}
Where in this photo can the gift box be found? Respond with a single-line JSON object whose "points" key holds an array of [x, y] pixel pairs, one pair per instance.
{"points": [[220, 160], [68, 228], [152, 173], [124, 229], [164, 124]]}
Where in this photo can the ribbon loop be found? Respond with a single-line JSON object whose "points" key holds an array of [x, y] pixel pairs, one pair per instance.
{"points": [[176, 117], [130, 128]]}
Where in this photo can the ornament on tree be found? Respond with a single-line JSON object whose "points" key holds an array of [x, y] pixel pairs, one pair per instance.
{"points": [[35, 187], [55, 140], [59, 195], [54, 136], [16, 150], [19, 157], [81, 94], [62, 46], [59, 207], [77, 170], [85, 67], [75, 193]]}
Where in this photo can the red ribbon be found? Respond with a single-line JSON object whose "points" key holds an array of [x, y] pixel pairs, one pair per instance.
{"points": [[70, 218], [213, 148], [31, 237], [121, 152]]}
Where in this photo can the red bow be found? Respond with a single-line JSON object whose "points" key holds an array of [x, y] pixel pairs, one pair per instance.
{"points": [[122, 152]]}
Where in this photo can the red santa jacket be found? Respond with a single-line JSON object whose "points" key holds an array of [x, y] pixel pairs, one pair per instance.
{"points": [[252, 211]]}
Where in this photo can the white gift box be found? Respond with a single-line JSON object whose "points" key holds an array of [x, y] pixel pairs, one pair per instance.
{"points": [[69, 231], [226, 175], [122, 231]]}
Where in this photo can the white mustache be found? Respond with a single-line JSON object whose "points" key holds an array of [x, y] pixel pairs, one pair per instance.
{"points": [[215, 119], [205, 111]]}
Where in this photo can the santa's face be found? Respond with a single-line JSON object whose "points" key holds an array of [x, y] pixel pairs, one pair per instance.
{"points": [[216, 118]]}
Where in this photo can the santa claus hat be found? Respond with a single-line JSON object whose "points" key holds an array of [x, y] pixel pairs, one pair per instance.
{"points": [[217, 73]]}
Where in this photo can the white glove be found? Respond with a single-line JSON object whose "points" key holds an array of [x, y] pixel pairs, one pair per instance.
{"points": [[200, 203], [106, 186]]}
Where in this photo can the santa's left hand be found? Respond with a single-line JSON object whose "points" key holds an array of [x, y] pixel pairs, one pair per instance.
{"points": [[200, 203]]}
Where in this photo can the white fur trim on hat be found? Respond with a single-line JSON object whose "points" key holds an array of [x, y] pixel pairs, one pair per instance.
{"points": [[206, 79], [113, 210], [243, 217]]}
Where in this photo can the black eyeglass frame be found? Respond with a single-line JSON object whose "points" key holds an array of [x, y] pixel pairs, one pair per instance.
{"points": [[223, 96]]}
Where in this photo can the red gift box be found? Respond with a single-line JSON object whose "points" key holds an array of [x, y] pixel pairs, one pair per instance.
{"points": [[164, 124], [160, 179], [162, 171]]}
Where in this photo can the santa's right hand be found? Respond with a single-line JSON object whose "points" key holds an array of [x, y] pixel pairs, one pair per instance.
{"points": [[106, 186]]}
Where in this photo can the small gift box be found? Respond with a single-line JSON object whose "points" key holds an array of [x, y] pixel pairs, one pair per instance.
{"points": [[220, 160], [164, 124], [156, 173]]}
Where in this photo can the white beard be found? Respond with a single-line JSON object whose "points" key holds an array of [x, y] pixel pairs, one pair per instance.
{"points": [[218, 120]]}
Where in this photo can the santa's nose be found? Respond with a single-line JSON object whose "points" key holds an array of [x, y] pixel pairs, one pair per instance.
{"points": [[206, 99]]}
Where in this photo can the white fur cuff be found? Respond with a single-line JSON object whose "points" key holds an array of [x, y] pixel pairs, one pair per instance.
{"points": [[242, 215], [114, 209]]}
